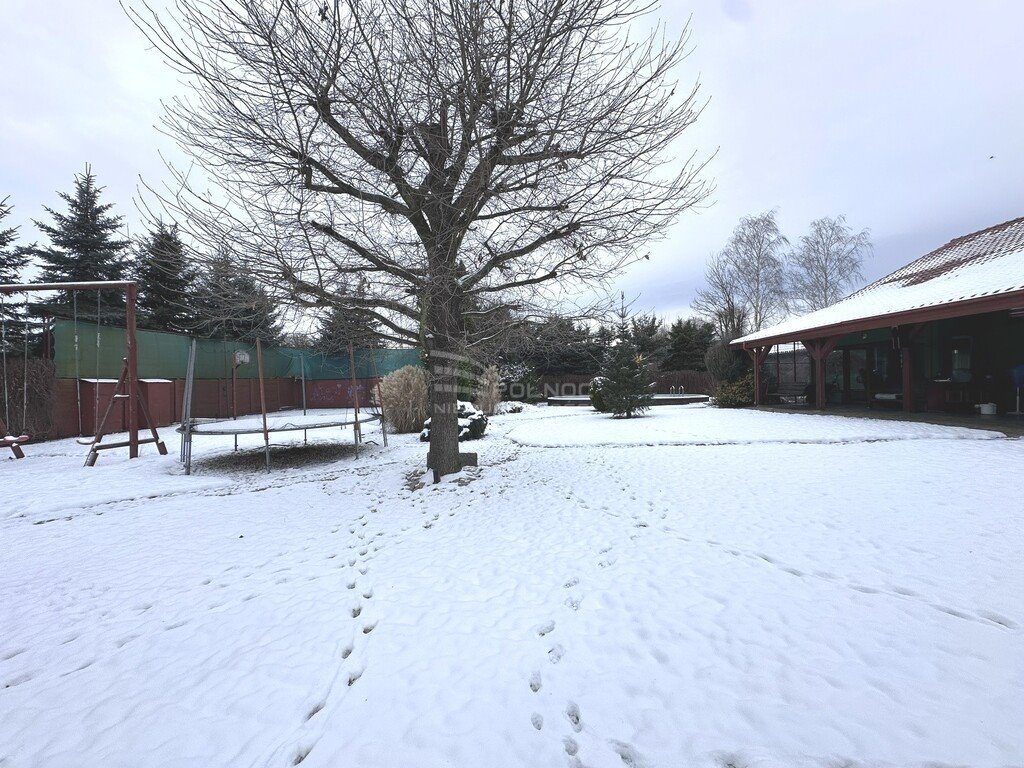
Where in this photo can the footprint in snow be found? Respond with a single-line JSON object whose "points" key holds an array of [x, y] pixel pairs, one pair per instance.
{"points": [[545, 629], [535, 682], [572, 713], [537, 720], [628, 754], [555, 654]]}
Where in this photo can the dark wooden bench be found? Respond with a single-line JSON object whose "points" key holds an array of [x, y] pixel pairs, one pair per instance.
{"points": [[788, 393]]}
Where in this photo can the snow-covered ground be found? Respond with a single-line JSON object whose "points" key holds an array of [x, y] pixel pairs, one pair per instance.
{"points": [[695, 588]]}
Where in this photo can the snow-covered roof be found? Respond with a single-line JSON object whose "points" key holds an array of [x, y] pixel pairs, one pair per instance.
{"points": [[983, 264]]}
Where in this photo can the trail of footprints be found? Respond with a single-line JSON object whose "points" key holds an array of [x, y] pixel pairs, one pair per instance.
{"points": [[363, 551], [555, 654]]}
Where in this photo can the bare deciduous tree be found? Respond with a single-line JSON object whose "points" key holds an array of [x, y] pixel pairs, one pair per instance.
{"points": [[465, 157], [826, 264], [756, 251], [746, 281], [720, 300]]}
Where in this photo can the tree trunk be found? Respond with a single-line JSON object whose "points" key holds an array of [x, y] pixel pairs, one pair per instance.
{"points": [[443, 456], [444, 355]]}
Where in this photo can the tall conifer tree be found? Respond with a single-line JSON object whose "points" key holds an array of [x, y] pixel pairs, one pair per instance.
{"points": [[167, 282], [12, 261], [84, 245], [688, 342], [233, 306]]}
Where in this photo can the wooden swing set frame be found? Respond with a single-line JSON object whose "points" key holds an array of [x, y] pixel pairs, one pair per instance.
{"points": [[127, 389]]}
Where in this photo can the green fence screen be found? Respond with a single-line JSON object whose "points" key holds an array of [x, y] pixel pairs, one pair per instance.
{"points": [[165, 356]]}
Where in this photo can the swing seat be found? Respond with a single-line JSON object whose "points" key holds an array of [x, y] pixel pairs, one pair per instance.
{"points": [[10, 440]]}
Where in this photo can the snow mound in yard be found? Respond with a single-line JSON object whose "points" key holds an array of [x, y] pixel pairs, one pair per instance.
{"points": [[706, 425]]}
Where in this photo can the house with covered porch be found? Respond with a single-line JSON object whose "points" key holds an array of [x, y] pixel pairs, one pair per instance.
{"points": [[943, 333]]}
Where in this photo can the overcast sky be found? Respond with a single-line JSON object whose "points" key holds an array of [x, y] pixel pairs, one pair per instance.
{"points": [[906, 116]]}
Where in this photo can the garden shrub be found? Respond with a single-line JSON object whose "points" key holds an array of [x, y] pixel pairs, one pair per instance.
{"points": [[597, 399], [472, 423], [406, 398], [736, 394], [511, 406], [724, 363]]}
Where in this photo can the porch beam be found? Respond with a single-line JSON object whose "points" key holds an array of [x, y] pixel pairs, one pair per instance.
{"points": [[980, 305]]}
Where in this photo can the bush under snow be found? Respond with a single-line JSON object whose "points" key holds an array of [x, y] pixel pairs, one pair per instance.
{"points": [[472, 423]]}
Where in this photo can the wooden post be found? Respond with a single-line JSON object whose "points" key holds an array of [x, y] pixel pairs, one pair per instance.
{"points": [[758, 355], [358, 430], [132, 361], [263, 402], [819, 350], [908, 379], [819, 382]]}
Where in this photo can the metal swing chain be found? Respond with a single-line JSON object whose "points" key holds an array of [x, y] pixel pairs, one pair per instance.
{"points": [[96, 387], [24, 384]]}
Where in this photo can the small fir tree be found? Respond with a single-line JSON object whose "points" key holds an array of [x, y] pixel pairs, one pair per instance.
{"points": [[83, 244], [626, 390], [167, 282]]}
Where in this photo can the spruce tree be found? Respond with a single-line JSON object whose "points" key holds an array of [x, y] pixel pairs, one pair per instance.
{"points": [[339, 326], [12, 261], [649, 336], [626, 390], [84, 245], [232, 305], [167, 282], [688, 343]]}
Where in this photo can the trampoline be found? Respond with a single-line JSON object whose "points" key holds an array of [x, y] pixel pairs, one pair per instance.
{"points": [[267, 421], [282, 421], [290, 421]]}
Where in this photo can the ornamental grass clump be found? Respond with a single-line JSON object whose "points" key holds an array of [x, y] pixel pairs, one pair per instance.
{"points": [[488, 393], [405, 395]]}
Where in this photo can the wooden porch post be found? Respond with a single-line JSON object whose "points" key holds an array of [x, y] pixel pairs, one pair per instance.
{"points": [[909, 334], [819, 379], [819, 350], [758, 355], [908, 379]]}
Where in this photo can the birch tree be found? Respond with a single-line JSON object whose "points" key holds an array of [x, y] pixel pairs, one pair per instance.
{"points": [[826, 264]]}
